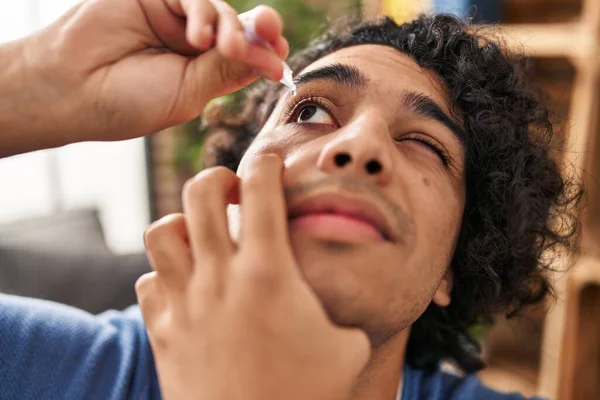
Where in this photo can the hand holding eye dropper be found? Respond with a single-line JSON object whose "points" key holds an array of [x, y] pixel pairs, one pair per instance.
{"points": [[288, 74]]}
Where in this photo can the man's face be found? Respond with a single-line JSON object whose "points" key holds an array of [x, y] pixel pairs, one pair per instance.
{"points": [[374, 182]]}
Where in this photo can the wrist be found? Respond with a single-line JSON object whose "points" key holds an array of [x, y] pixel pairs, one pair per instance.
{"points": [[31, 112]]}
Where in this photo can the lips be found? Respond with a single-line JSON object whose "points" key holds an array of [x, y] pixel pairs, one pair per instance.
{"points": [[339, 216]]}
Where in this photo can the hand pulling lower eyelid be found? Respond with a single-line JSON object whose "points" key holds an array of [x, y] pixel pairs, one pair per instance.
{"points": [[288, 74]]}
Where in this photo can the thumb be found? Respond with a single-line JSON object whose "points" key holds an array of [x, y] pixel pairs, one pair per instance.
{"points": [[355, 350]]}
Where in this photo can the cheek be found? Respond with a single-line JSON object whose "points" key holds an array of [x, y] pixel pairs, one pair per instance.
{"points": [[382, 289], [356, 284], [441, 214], [437, 203], [261, 145], [278, 141], [437, 210]]}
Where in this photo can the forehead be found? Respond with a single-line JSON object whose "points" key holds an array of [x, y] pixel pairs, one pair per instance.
{"points": [[388, 70]]}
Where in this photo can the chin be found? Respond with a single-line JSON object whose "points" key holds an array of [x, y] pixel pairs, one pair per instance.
{"points": [[330, 269], [353, 287]]}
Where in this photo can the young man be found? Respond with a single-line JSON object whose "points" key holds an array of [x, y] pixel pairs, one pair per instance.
{"points": [[403, 194], [415, 198]]}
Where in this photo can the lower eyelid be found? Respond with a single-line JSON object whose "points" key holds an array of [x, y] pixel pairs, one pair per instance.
{"points": [[318, 128], [295, 104], [438, 150]]}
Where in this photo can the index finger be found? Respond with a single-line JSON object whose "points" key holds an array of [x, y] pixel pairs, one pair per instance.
{"points": [[197, 28], [264, 215], [267, 24]]}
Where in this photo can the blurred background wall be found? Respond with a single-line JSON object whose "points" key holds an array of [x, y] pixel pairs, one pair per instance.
{"points": [[110, 177]]}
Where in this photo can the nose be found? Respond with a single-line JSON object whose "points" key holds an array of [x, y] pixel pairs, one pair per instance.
{"points": [[361, 148]]}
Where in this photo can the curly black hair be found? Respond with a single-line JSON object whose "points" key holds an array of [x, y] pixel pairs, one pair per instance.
{"points": [[520, 211]]}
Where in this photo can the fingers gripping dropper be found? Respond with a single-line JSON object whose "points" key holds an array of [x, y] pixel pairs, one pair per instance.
{"points": [[288, 74]]}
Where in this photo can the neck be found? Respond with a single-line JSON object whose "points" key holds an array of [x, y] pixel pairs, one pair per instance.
{"points": [[383, 374]]}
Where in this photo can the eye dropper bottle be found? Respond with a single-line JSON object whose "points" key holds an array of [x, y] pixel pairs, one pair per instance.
{"points": [[288, 74]]}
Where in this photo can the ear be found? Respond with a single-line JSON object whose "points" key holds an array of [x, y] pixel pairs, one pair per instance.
{"points": [[442, 295]]}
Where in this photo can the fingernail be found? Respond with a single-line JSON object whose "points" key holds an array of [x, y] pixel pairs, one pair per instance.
{"points": [[207, 34], [249, 26], [262, 73], [283, 47], [270, 75]]}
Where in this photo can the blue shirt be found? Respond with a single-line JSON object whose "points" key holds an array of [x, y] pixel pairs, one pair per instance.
{"points": [[55, 352]]}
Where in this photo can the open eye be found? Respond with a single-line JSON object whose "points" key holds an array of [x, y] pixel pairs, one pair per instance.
{"points": [[314, 114]]}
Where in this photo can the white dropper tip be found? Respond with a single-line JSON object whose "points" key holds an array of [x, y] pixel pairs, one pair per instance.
{"points": [[288, 78]]}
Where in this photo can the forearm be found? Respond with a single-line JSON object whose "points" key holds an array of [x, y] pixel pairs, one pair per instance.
{"points": [[31, 117]]}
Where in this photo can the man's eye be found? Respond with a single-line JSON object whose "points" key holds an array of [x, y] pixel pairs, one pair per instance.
{"points": [[435, 148], [313, 114]]}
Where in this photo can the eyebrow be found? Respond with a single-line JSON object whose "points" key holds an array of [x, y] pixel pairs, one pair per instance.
{"points": [[343, 74], [426, 107], [418, 103]]}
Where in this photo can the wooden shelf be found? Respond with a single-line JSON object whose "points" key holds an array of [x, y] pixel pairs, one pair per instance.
{"points": [[580, 365], [511, 375], [570, 40], [586, 271], [528, 11]]}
